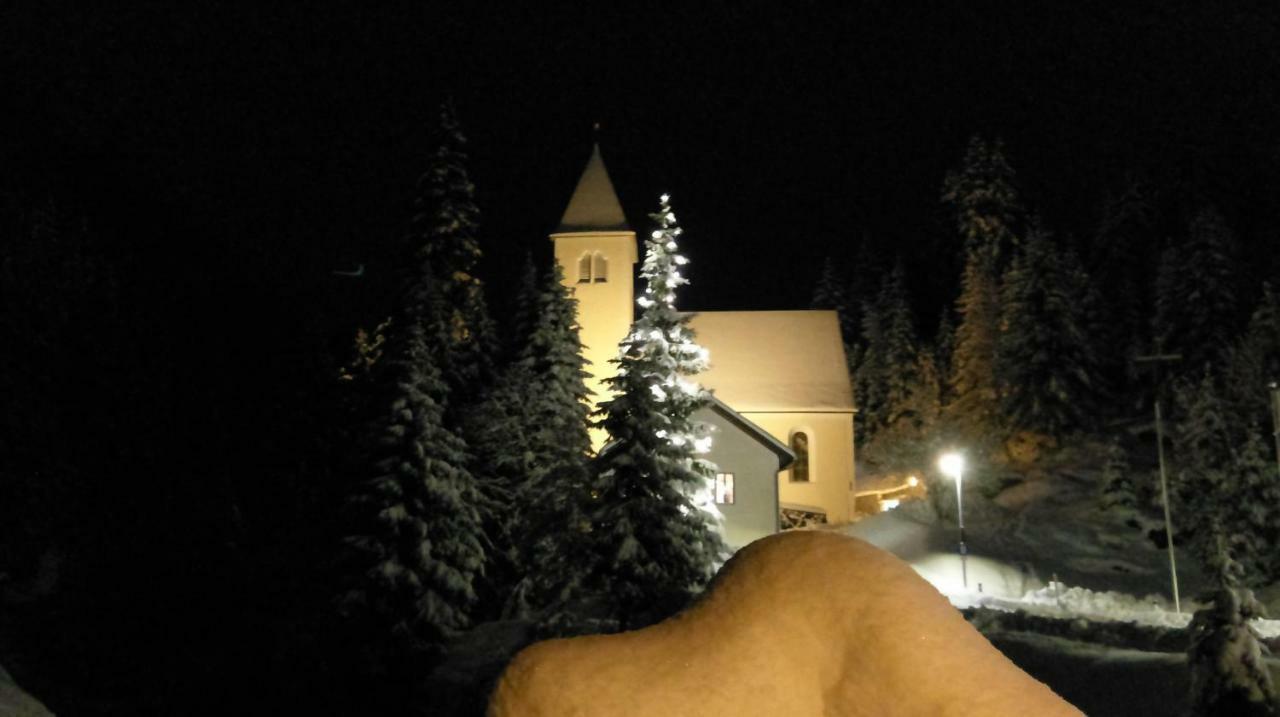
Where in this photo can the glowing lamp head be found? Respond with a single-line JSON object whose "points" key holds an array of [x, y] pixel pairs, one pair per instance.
{"points": [[913, 481], [951, 464]]}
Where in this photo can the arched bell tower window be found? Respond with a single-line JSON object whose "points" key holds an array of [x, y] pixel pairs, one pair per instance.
{"points": [[593, 267], [800, 447]]}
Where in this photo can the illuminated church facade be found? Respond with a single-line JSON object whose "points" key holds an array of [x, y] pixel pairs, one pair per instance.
{"points": [[783, 415]]}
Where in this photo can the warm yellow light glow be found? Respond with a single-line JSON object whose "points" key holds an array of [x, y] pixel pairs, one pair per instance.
{"points": [[951, 464], [913, 481]]}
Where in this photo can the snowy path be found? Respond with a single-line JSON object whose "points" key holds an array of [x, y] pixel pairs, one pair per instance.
{"points": [[1076, 551]]}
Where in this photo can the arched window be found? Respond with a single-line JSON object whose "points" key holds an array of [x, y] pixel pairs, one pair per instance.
{"points": [[800, 447], [599, 268], [584, 269]]}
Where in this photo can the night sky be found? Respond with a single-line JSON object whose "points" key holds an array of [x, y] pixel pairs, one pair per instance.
{"points": [[222, 147]]}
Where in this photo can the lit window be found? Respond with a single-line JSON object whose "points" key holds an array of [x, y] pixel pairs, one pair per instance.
{"points": [[800, 447], [584, 269], [599, 268], [724, 489]]}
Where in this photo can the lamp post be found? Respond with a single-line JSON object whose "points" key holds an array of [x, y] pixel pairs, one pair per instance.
{"points": [[952, 464]]}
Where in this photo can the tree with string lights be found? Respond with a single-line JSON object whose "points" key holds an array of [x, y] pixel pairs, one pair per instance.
{"points": [[653, 523]]}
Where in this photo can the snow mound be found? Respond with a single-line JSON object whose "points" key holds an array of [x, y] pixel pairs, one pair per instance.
{"points": [[15, 702], [802, 623], [1058, 601]]}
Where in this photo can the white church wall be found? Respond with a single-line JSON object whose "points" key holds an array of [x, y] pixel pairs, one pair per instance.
{"points": [[831, 480]]}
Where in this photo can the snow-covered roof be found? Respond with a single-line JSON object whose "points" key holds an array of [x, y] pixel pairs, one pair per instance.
{"points": [[594, 205], [775, 360]]}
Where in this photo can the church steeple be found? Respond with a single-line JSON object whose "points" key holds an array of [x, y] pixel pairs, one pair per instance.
{"points": [[597, 251], [594, 205]]}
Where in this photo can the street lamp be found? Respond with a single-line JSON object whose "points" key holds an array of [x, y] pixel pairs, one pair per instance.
{"points": [[952, 464]]}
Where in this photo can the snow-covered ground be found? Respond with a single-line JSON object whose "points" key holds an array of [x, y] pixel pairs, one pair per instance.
{"points": [[1048, 552], [1106, 571]]}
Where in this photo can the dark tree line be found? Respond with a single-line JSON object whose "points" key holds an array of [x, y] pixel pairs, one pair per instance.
{"points": [[1039, 347], [473, 494]]}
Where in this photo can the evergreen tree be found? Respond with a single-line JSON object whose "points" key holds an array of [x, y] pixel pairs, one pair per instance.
{"points": [[869, 371], [1118, 491], [498, 428], [654, 538], [984, 196], [1253, 362], [1228, 477], [888, 378], [553, 500], [1204, 456], [445, 226], [524, 313], [830, 294], [944, 343], [417, 543], [1196, 295], [1254, 509], [910, 441], [973, 387], [1046, 355], [1121, 262], [1228, 672]]}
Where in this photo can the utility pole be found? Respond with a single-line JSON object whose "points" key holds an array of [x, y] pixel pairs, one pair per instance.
{"points": [[1159, 359]]}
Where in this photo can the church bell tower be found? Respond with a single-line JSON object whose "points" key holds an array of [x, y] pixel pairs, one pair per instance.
{"points": [[597, 251]]}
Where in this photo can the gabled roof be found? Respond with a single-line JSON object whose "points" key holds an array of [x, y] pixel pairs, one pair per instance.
{"points": [[594, 205], [777, 361], [785, 456]]}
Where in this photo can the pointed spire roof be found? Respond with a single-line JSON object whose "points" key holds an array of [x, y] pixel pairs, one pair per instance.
{"points": [[594, 205]]}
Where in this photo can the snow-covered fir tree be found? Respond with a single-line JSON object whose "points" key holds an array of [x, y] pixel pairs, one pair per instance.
{"points": [[653, 527], [1228, 476], [498, 428], [1203, 456], [445, 225], [889, 376], [1118, 494], [1226, 659], [983, 193], [1046, 354], [416, 543], [944, 344], [524, 311], [1120, 261], [1253, 362], [974, 392], [1254, 508], [831, 294], [552, 502], [1196, 292]]}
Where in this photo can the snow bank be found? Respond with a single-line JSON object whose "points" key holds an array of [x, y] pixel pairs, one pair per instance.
{"points": [[1060, 601], [15, 702], [801, 623]]}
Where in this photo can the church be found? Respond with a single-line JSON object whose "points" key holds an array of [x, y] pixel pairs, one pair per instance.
{"points": [[782, 416]]}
